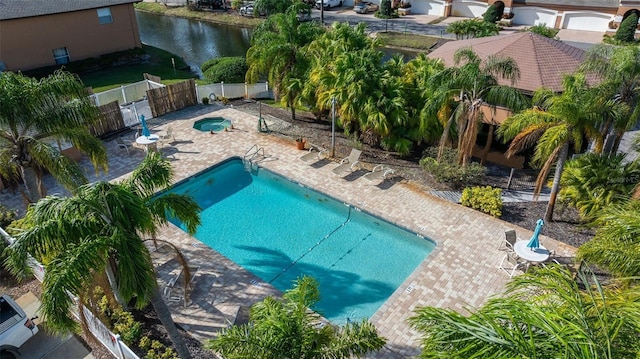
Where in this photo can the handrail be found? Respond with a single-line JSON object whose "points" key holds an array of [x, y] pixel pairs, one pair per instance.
{"points": [[246, 154]]}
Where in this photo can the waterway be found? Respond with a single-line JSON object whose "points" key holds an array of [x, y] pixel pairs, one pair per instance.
{"points": [[199, 41]]}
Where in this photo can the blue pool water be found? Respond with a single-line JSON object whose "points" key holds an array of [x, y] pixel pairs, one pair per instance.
{"points": [[280, 230]]}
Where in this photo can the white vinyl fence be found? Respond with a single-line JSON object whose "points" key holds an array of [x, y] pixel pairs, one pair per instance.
{"points": [[232, 91], [110, 341], [125, 94]]}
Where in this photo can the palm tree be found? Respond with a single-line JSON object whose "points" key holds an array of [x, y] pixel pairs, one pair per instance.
{"points": [[618, 68], [616, 245], [277, 51], [101, 229], [543, 314], [34, 112], [288, 329], [556, 122], [593, 182], [473, 83]]}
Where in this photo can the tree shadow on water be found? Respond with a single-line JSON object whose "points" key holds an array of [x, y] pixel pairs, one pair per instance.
{"points": [[341, 292]]}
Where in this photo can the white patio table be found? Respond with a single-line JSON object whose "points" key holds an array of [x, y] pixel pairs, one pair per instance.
{"points": [[531, 255], [148, 141]]}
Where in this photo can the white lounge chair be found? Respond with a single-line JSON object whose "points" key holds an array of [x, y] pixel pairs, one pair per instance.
{"points": [[348, 164], [314, 154], [379, 173]]}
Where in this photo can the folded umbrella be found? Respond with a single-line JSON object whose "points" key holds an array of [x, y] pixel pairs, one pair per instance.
{"points": [[534, 242], [145, 129]]}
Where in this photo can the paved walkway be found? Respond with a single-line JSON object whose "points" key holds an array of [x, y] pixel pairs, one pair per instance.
{"points": [[460, 273]]}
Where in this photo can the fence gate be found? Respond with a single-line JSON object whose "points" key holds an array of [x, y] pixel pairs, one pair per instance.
{"points": [[110, 120], [172, 98]]}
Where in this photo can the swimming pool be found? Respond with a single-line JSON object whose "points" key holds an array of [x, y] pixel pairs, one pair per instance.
{"points": [[280, 230]]}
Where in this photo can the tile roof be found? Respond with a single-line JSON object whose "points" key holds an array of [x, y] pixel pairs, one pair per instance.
{"points": [[574, 3], [16, 9], [542, 61]]}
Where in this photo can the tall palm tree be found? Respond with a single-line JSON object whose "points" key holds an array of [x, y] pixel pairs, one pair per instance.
{"points": [[277, 51], [618, 68], [471, 84], [543, 314], [556, 122], [101, 229], [288, 329], [34, 113]]}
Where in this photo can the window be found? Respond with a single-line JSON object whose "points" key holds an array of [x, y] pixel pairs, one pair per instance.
{"points": [[61, 55], [104, 16]]}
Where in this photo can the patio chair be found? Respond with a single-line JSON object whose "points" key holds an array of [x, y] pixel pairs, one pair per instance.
{"points": [[379, 173], [348, 164], [168, 136], [513, 262], [510, 239], [314, 154], [122, 145]]}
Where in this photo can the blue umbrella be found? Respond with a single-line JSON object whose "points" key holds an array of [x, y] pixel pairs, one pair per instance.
{"points": [[145, 129], [534, 242]]}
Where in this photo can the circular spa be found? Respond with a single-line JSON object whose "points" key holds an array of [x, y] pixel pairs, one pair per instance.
{"points": [[215, 124]]}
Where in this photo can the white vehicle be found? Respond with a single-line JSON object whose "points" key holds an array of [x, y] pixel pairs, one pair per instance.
{"points": [[15, 327], [328, 3]]}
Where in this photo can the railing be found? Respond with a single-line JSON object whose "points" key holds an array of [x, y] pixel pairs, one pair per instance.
{"points": [[109, 340], [231, 91]]}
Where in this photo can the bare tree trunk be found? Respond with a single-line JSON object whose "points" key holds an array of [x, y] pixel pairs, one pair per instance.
{"points": [[487, 145], [293, 109], [30, 180], [113, 283], [165, 317], [562, 158], [445, 137]]}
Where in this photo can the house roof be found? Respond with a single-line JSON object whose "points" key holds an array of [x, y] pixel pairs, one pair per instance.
{"points": [[16, 9], [542, 61], [574, 3]]}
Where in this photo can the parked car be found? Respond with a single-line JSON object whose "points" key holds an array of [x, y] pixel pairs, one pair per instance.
{"points": [[304, 15], [365, 7], [210, 4], [15, 327], [248, 10], [328, 3]]}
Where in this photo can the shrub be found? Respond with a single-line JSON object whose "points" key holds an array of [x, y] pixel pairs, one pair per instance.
{"points": [[156, 350], [205, 100], [492, 15], [543, 30], [448, 171], [225, 69], [7, 216], [484, 199], [627, 30], [125, 325], [385, 9]]}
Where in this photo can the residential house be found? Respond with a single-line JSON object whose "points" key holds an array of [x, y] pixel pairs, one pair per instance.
{"points": [[39, 33], [589, 15]]}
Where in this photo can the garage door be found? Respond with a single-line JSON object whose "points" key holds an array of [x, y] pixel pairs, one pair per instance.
{"points": [[534, 16], [468, 8], [588, 21], [427, 7]]}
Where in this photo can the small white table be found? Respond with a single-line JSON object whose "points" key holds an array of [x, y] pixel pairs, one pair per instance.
{"points": [[147, 141], [532, 255]]}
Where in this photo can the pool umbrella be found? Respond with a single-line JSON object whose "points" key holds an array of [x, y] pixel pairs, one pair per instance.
{"points": [[534, 242], [145, 129]]}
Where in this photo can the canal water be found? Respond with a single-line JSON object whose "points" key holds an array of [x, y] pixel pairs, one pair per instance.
{"points": [[199, 41]]}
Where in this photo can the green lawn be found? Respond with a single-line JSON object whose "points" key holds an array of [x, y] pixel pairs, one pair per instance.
{"points": [[159, 65], [413, 41], [220, 16]]}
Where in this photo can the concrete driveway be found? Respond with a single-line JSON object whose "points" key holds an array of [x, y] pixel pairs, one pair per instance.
{"points": [[45, 345]]}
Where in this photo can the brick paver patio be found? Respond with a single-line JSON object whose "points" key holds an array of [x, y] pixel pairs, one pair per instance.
{"points": [[460, 273]]}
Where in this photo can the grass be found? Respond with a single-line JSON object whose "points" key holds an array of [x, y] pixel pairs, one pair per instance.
{"points": [[159, 64], [219, 16], [404, 40]]}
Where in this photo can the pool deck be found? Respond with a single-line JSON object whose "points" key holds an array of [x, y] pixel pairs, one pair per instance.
{"points": [[460, 273]]}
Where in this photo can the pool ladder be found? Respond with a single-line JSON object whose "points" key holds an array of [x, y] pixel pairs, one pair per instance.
{"points": [[250, 158]]}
